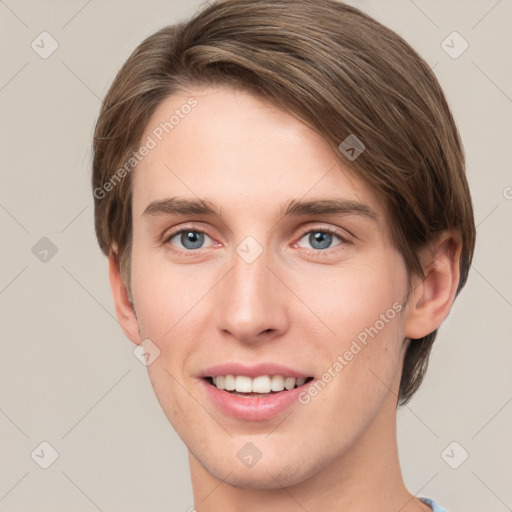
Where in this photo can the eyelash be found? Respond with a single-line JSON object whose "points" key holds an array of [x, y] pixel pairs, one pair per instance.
{"points": [[329, 250], [189, 253], [315, 252]]}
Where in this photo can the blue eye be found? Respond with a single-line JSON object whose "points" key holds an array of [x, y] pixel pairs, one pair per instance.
{"points": [[189, 239], [321, 239]]}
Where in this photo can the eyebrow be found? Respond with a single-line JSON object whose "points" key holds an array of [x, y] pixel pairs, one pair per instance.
{"points": [[185, 206], [181, 206], [325, 206]]}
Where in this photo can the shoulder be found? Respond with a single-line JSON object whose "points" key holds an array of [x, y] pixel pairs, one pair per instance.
{"points": [[434, 505]]}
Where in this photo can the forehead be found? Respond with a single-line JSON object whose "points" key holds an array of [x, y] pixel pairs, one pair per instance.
{"points": [[240, 152]]}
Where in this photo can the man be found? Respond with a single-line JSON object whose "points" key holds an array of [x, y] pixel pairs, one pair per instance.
{"points": [[280, 190]]}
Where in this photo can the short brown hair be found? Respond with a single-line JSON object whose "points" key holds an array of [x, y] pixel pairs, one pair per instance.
{"points": [[330, 66]]}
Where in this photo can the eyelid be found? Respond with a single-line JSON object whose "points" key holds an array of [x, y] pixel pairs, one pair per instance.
{"points": [[170, 233], [326, 229], [168, 236]]}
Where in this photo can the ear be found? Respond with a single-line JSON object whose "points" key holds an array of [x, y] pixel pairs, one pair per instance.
{"points": [[433, 295], [124, 310]]}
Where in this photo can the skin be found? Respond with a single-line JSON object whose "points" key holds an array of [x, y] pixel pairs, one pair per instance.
{"points": [[295, 304]]}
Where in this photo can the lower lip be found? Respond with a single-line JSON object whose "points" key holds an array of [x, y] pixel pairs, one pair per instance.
{"points": [[252, 409]]}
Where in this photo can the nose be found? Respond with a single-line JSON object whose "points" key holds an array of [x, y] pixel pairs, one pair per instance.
{"points": [[252, 301]]}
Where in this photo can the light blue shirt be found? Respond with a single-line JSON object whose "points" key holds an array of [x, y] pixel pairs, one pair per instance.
{"points": [[434, 505]]}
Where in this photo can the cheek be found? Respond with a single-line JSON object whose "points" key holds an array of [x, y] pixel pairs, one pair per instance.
{"points": [[360, 314], [161, 296], [173, 310], [171, 314], [348, 300]]}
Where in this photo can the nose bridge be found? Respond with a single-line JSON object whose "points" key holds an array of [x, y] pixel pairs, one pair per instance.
{"points": [[251, 302]]}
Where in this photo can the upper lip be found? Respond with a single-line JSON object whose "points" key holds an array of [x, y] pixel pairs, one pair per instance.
{"points": [[252, 371]]}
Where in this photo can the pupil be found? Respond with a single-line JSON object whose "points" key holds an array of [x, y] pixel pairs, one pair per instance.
{"points": [[192, 239], [320, 240]]}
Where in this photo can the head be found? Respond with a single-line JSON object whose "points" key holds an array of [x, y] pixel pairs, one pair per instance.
{"points": [[239, 114]]}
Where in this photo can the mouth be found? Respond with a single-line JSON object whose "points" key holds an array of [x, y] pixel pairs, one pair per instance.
{"points": [[257, 387], [256, 392]]}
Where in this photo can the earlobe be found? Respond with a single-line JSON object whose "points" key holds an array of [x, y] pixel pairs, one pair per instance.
{"points": [[433, 295], [124, 309]]}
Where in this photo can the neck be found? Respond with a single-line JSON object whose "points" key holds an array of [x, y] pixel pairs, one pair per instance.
{"points": [[366, 477]]}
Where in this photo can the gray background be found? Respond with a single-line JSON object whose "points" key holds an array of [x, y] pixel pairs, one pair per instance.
{"points": [[69, 377]]}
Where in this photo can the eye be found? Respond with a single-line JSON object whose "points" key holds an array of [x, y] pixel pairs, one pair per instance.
{"points": [[188, 239], [320, 239]]}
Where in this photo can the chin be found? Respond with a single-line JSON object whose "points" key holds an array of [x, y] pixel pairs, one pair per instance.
{"points": [[264, 481], [264, 475]]}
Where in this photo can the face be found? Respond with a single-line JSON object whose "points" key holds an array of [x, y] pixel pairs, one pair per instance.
{"points": [[260, 262]]}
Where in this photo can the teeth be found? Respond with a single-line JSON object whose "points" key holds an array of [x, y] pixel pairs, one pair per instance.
{"points": [[243, 384], [261, 384], [289, 383], [277, 383], [229, 383]]}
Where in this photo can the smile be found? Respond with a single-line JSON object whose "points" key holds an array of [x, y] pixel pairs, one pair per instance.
{"points": [[244, 385]]}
